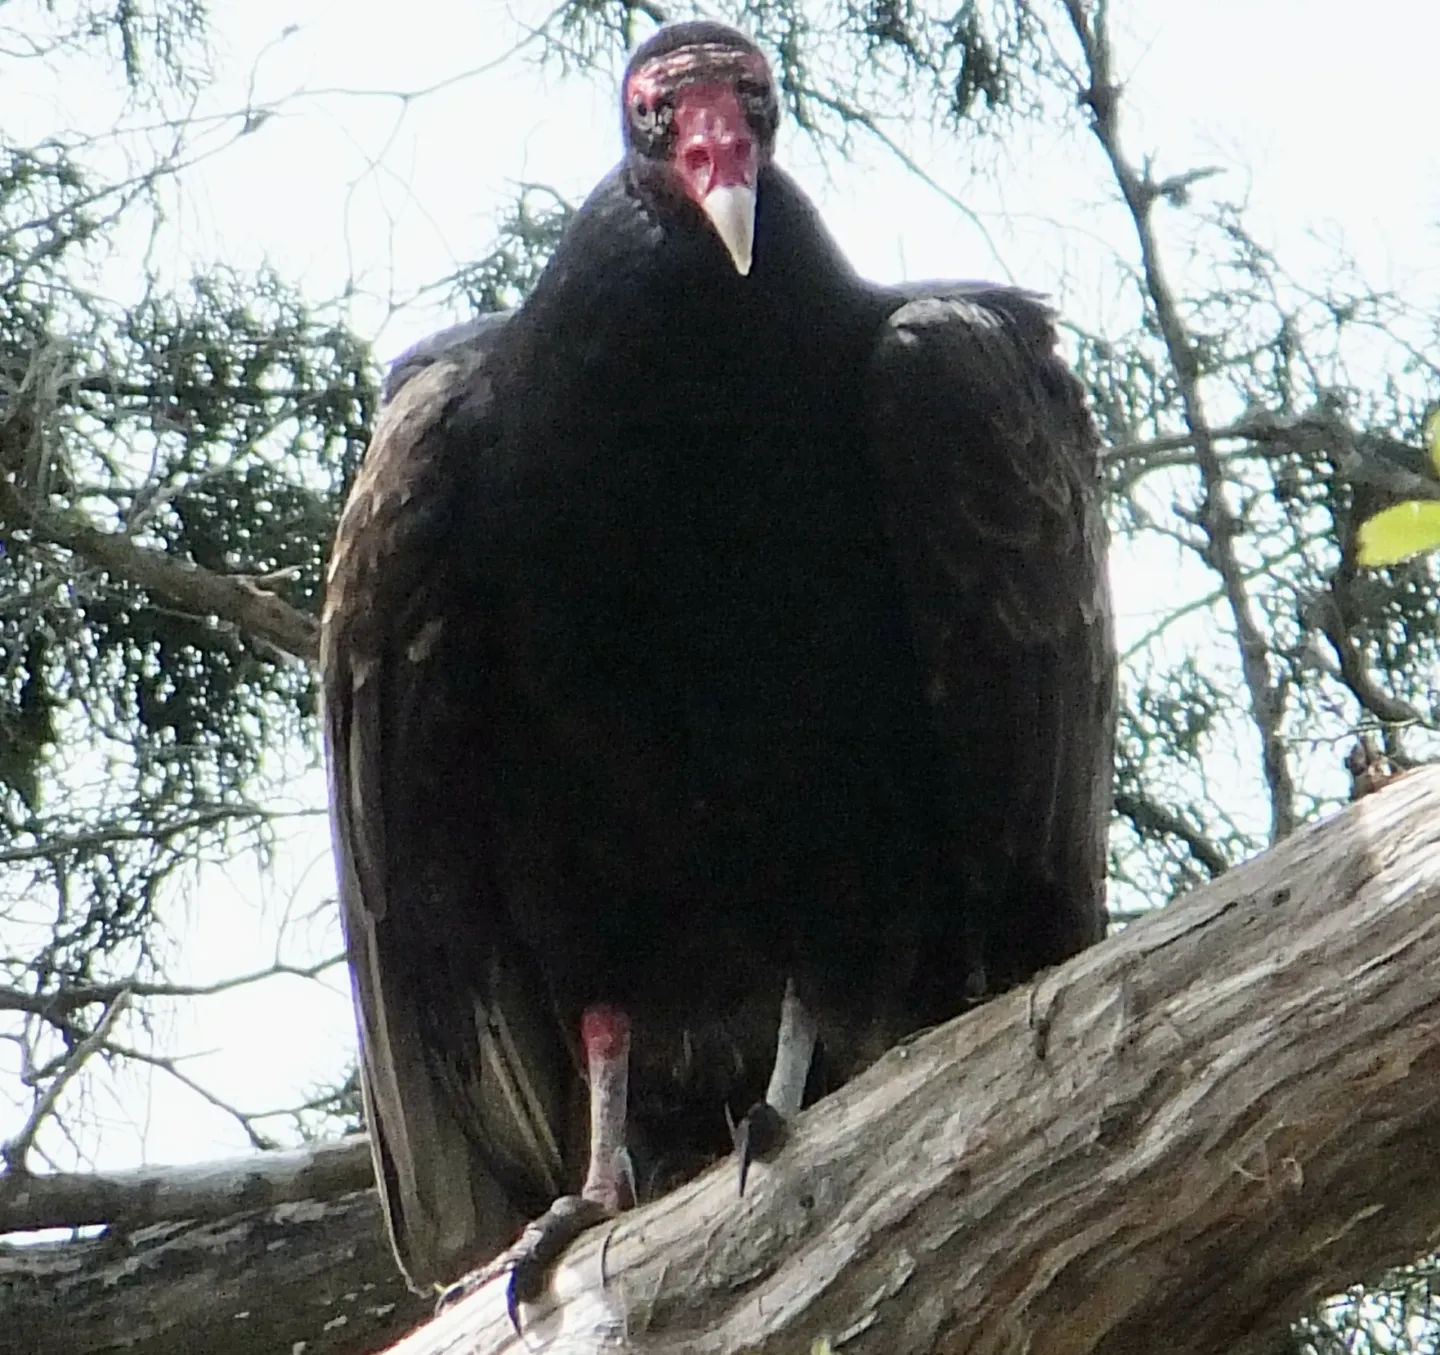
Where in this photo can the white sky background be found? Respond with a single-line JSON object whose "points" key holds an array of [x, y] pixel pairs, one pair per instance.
{"points": [[1327, 120]]}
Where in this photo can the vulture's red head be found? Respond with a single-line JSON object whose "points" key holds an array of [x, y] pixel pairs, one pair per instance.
{"points": [[699, 101]]}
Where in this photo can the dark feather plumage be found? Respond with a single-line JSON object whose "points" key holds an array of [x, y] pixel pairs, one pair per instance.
{"points": [[689, 633]]}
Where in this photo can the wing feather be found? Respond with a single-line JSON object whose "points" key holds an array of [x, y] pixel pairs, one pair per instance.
{"points": [[463, 1071], [987, 462]]}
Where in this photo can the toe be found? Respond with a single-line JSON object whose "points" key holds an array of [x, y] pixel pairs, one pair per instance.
{"points": [[759, 1133], [542, 1244]]}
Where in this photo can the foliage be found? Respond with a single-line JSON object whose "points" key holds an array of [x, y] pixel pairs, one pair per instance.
{"points": [[1400, 1312], [214, 426], [157, 44], [967, 62], [1410, 528], [524, 239]]}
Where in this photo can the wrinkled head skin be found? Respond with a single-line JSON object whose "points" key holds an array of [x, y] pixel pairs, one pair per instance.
{"points": [[699, 102]]}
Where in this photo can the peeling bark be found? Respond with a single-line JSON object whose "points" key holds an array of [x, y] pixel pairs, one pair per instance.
{"points": [[207, 1190], [307, 1278]]}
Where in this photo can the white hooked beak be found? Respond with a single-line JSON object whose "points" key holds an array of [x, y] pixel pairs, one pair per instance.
{"points": [[731, 209]]}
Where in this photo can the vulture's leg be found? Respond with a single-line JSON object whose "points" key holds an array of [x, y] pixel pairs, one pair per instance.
{"points": [[765, 1124], [610, 1181]]}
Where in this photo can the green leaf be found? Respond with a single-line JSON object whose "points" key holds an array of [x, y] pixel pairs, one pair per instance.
{"points": [[1410, 528]]}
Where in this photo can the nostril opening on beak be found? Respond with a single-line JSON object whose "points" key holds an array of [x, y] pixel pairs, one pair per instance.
{"points": [[697, 161]]}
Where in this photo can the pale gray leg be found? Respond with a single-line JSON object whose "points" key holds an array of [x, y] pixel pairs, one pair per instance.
{"points": [[610, 1180], [794, 1050], [764, 1126]]}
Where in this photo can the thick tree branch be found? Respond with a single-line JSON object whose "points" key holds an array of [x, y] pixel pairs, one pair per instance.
{"points": [[1174, 1142], [307, 1278], [200, 1193], [187, 587], [1152, 819], [1101, 94], [1368, 459]]}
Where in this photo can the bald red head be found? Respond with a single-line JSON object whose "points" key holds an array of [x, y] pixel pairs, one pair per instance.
{"points": [[699, 98]]}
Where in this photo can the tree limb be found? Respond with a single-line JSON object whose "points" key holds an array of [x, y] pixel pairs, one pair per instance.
{"points": [[203, 1192], [187, 587], [1353, 671], [62, 1001], [1154, 819], [300, 1279], [1174, 1142], [1360, 458], [1101, 96]]}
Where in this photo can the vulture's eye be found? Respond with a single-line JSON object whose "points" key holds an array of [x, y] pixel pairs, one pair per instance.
{"points": [[749, 88], [644, 114]]}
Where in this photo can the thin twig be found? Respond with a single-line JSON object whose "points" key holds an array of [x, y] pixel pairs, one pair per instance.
{"points": [[1151, 818], [50, 848], [63, 1002], [16, 1150], [170, 1064]]}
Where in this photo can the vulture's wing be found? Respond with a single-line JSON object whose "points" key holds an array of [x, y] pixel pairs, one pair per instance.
{"points": [[472, 338], [988, 463], [463, 1074]]}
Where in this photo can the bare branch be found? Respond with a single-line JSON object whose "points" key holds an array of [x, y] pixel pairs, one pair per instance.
{"points": [[1360, 458], [168, 1063], [194, 590], [63, 1002], [16, 1150], [1101, 94], [1176, 188], [207, 1190], [1152, 819], [52, 847], [850, 113], [1325, 613]]}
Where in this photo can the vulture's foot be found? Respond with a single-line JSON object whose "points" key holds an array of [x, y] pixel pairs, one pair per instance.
{"points": [[543, 1243], [759, 1132], [610, 1181]]}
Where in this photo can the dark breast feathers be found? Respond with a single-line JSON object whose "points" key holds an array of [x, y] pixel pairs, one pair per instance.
{"points": [[689, 637]]}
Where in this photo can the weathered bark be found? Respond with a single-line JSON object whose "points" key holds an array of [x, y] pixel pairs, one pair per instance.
{"points": [[1174, 1142], [205, 1191], [313, 1277]]}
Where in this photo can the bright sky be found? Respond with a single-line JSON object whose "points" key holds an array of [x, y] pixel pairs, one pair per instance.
{"points": [[1323, 119]]}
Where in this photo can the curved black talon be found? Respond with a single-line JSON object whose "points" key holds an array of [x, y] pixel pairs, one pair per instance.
{"points": [[761, 1130], [542, 1244]]}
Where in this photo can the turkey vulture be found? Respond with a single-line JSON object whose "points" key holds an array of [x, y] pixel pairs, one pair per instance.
{"points": [[717, 645]]}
